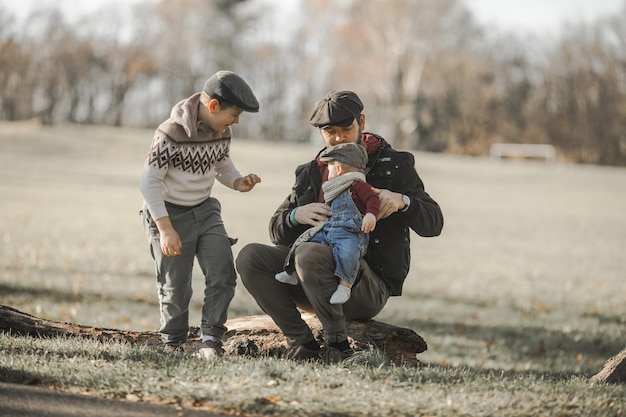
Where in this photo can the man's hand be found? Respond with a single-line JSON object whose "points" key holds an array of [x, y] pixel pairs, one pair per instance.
{"points": [[247, 183], [369, 223], [312, 213], [390, 202]]}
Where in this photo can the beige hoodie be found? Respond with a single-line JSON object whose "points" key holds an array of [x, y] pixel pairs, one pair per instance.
{"points": [[185, 158]]}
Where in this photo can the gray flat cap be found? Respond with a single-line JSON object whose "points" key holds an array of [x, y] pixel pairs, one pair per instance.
{"points": [[351, 154], [230, 87], [338, 108]]}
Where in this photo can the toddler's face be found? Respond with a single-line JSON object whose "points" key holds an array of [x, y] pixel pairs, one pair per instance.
{"points": [[332, 170]]}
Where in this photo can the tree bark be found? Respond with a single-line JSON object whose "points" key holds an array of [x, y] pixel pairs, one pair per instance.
{"points": [[249, 335], [614, 370]]}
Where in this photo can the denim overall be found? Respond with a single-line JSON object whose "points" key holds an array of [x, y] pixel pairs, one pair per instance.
{"points": [[342, 232]]}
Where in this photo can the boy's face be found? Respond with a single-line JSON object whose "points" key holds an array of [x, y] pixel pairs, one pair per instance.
{"points": [[222, 117]]}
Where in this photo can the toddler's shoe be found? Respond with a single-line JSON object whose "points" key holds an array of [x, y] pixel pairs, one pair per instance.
{"points": [[341, 295], [287, 278]]}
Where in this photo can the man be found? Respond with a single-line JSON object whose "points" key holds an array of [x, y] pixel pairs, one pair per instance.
{"points": [[403, 204]]}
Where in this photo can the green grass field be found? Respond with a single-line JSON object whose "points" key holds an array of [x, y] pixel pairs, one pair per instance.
{"points": [[521, 299]]}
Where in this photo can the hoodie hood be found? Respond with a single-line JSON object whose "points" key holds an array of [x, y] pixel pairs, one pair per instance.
{"points": [[185, 115], [184, 125]]}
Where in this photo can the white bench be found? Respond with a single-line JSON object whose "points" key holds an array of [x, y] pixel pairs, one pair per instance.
{"points": [[523, 150]]}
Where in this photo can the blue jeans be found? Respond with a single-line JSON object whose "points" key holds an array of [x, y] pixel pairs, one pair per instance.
{"points": [[204, 238], [342, 232]]}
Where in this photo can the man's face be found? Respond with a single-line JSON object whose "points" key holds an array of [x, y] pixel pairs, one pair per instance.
{"points": [[334, 135]]}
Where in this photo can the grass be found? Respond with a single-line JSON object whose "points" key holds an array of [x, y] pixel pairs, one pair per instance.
{"points": [[521, 299], [275, 387]]}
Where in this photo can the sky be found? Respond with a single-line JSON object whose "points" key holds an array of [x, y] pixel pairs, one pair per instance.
{"points": [[522, 16], [540, 16]]}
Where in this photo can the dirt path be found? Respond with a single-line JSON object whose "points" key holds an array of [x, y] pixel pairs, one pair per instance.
{"points": [[23, 400]]}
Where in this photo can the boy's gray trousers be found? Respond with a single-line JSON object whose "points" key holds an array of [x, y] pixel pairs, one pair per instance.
{"points": [[204, 238]]}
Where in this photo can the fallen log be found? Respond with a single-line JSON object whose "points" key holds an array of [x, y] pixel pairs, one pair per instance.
{"points": [[613, 371], [16, 322], [249, 335]]}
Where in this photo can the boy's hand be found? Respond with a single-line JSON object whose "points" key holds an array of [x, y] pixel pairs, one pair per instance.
{"points": [[170, 241], [369, 223], [245, 184]]}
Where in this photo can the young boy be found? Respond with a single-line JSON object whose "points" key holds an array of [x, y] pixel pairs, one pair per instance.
{"points": [[346, 230], [182, 221]]}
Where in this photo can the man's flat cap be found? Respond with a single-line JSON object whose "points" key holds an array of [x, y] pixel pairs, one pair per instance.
{"points": [[352, 154], [338, 108], [230, 87]]}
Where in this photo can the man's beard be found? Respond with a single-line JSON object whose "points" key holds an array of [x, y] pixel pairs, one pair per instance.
{"points": [[360, 136]]}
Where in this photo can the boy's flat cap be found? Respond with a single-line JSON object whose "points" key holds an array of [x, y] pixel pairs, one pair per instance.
{"points": [[232, 88], [351, 154], [338, 108]]}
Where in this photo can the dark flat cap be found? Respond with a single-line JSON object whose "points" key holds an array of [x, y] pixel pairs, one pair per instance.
{"points": [[351, 154], [230, 87], [338, 108]]}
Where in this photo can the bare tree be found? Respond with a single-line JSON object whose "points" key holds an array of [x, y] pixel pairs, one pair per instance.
{"points": [[48, 80], [584, 94], [386, 46], [14, 64], [429, 76], [126, 64], [189, 40]]}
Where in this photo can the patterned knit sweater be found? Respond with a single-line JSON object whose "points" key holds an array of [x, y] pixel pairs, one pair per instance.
{"points": [[185, 159]]}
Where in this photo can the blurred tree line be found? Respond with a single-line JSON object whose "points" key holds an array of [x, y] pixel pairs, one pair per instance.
{"points": [[430, 76]]}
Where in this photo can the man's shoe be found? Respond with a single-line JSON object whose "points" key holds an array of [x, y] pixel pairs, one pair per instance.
{"points": [[326, 355], [209, 350], [302, 353], [331, 355]]}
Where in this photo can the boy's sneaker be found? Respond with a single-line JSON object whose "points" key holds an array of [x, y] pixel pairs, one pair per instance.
{"points": [[209, 350], [174, 348]]}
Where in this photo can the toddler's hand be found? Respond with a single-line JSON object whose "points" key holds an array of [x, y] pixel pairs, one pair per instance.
{"points": [[369, 223]]}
